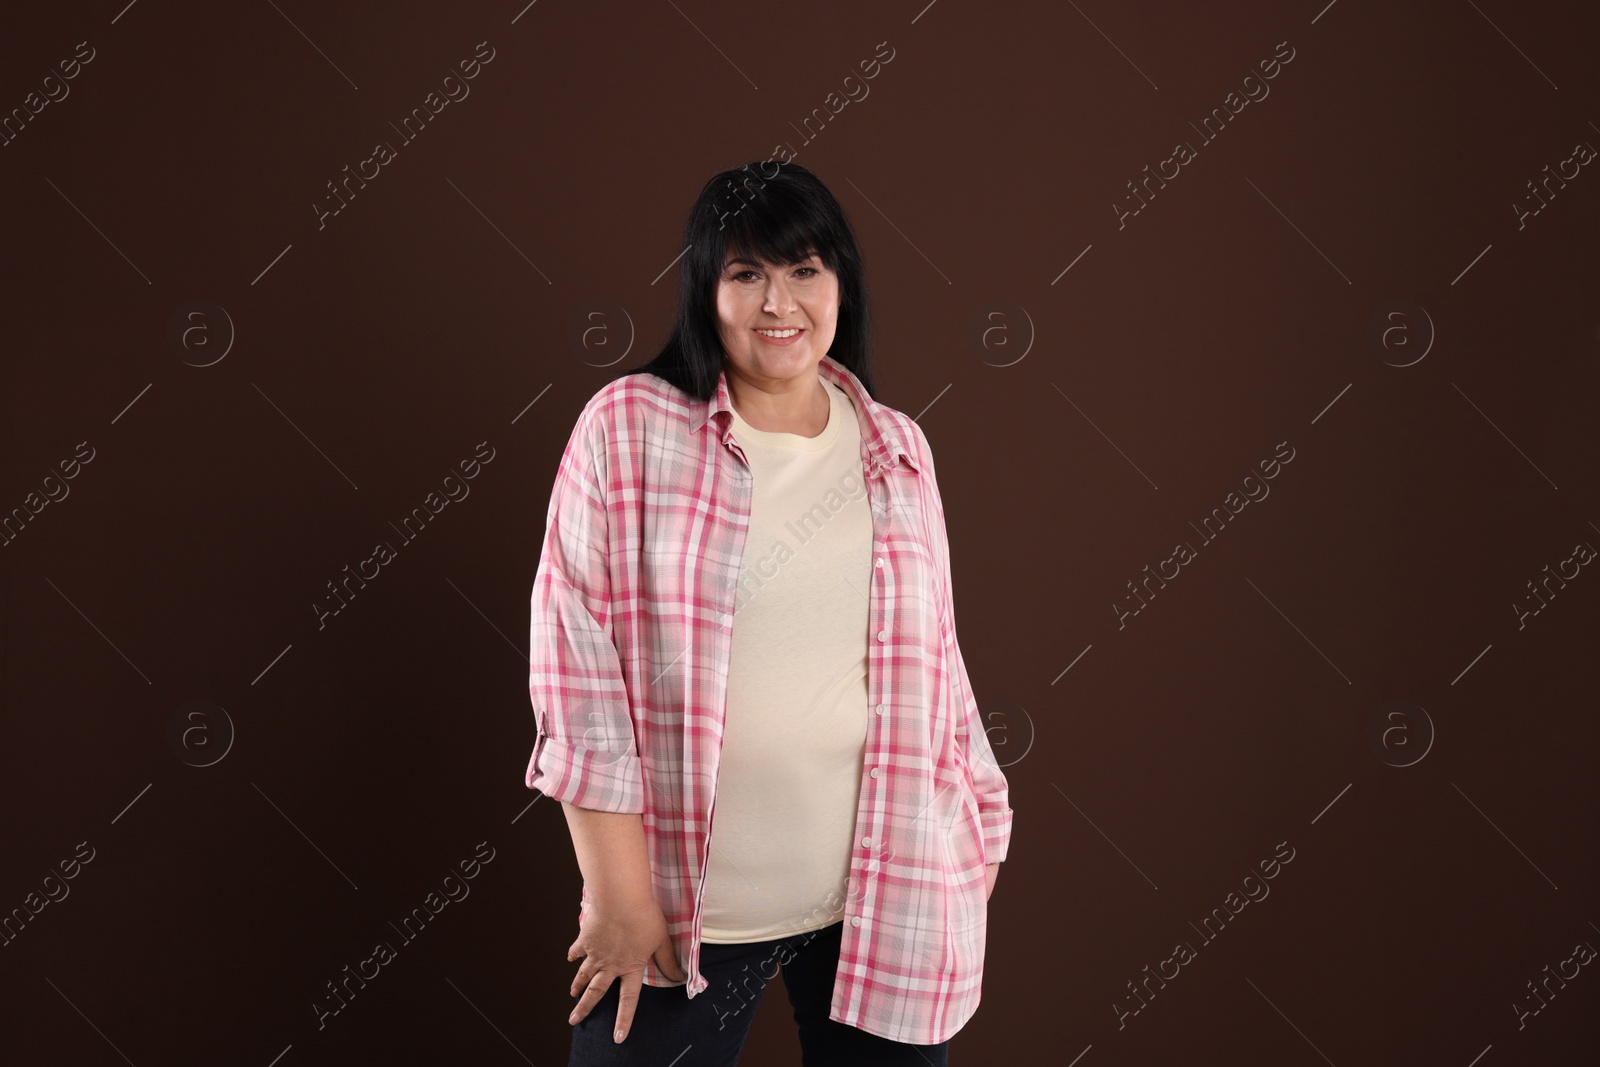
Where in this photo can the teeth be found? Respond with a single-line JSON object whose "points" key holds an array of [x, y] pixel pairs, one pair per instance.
{"points": [[777, 333]]}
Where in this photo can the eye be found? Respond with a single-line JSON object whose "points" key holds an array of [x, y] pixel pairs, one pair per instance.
{"points": [[804, 273]]}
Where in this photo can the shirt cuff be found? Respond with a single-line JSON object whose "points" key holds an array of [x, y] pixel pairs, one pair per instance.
{"points": [[996, 834], [587, 777]]}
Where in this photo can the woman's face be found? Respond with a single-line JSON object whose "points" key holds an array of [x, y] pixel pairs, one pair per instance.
{"points": [[755, 297]]}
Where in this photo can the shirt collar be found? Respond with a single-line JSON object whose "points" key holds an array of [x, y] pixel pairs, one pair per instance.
{"points": [[884, 442]]}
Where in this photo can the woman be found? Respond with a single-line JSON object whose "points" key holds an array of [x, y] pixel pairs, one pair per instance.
{"points": [[743, 607]]}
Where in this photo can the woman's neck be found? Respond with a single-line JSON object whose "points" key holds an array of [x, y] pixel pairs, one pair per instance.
{"points": [[802, 411]]}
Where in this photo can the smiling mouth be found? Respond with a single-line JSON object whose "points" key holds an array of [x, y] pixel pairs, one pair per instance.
{"points": [[780, 334]]}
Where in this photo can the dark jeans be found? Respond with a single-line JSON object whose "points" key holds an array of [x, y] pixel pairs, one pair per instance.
{"points": [[671, 1030]]}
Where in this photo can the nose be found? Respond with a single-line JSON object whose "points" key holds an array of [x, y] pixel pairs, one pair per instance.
{"points": [[780, 301]]}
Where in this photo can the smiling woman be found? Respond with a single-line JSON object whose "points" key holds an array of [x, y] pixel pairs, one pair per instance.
{"points": [[861, 816]]}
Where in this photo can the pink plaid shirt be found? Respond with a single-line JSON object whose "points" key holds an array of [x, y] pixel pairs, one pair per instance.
{"points": [[632, 616]]}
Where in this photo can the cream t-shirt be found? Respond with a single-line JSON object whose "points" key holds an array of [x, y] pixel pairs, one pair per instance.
{"points": [[796, 726]]}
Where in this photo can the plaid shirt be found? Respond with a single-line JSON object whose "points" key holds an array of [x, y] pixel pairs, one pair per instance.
{"points": [[632, 616]]}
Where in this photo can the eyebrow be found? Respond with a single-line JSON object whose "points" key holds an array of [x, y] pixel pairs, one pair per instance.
{"points": [[753, 263]]}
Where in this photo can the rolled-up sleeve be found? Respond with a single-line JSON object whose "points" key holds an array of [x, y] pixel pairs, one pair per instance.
{"points": [[988, 781], [585, 753]]}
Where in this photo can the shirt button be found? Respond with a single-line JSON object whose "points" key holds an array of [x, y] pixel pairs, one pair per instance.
{"points": [[874, 772], [880, 708], [855, 920], [879, 563], [883, 635], [866, 842]]}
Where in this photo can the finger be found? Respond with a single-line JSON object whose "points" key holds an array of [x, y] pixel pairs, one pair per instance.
{"points": [[667, 962], [580, 979], [591, 996], [627, 1001]]}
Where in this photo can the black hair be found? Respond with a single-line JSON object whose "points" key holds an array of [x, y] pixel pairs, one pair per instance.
{"points": [[774, 213]]}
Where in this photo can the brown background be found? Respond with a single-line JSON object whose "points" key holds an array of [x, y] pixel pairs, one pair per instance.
{"points": [[1235, 712]]}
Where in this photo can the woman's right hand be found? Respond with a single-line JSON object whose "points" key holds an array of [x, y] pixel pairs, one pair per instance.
{"points": [[615, 944]]}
